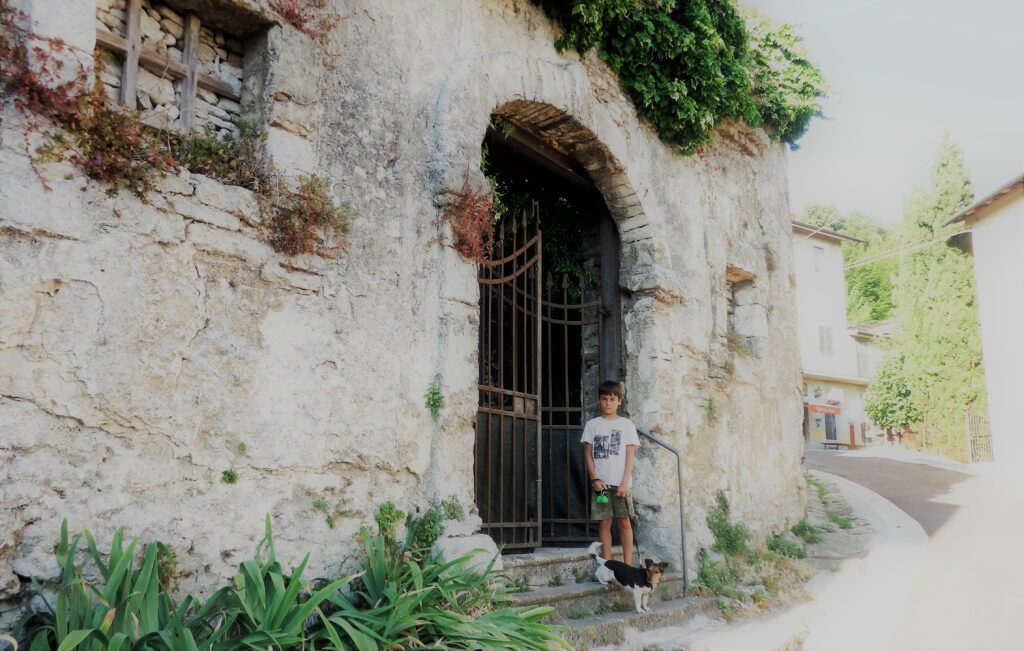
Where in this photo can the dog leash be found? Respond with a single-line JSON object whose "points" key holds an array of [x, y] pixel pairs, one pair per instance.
{"points": [[636, 539]]}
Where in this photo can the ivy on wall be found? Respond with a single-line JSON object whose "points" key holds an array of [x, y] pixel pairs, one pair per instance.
{"points": [[689, 65]]}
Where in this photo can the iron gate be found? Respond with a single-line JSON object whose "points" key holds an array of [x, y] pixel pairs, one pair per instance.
{"points": [[568, 321], [530, 476], [507, 450]]}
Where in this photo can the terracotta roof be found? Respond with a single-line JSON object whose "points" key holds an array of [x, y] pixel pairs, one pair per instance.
{"points": [[876, 329], [809, 230], [1017, 183]]}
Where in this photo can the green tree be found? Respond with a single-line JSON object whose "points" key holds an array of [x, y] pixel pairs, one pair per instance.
{"points": [[937, 331], [888, 399], [824, 215]]}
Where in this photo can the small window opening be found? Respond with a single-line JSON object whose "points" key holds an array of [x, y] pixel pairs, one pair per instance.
{"points": [[825, 339], [178, 70]]}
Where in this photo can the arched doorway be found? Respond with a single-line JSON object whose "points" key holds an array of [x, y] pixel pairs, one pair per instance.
{"points": [[550, 332]]}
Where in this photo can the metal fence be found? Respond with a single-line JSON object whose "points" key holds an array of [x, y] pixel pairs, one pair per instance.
{"points": [[979, 437]]}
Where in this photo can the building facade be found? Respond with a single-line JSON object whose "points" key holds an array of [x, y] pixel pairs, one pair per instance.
{"points": [[163, 369], [837, 361], [996, 223]]}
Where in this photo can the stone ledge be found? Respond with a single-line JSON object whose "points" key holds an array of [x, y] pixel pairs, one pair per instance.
{"points": [[230, 243], [229, 198]]}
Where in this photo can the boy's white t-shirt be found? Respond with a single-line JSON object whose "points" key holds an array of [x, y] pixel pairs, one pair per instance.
{"points": [[609, 439]]}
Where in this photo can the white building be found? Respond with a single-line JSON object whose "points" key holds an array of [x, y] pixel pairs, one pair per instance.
{"points": [[997, 233], [837, 362]]}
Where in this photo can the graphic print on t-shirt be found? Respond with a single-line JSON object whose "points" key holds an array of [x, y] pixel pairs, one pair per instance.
{"points": [[605, 446]]}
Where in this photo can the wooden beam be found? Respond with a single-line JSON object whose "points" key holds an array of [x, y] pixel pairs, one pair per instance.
{"points": [[191, 61], [163, 66], [131, 57]]}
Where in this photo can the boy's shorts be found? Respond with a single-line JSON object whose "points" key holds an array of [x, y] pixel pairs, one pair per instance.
{"points": [[617, 507]]}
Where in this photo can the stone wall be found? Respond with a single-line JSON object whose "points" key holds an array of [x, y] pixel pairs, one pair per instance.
{"points": [[141, 342]]}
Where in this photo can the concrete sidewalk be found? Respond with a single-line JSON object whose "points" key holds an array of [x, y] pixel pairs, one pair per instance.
{"points": [[847, 610]]}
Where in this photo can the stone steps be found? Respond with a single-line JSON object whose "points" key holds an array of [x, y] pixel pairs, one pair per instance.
{"points": [[581, 600], [595, 615], [610, 628], [549, 567]]}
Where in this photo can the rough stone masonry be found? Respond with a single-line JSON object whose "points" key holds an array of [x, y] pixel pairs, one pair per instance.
{"points": [[148, 346]]}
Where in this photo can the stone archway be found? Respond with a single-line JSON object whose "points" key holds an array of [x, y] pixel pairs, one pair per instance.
{"points": [[555, 101]]}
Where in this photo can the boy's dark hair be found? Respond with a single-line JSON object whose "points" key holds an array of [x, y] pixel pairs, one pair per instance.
{"points": [[610, 388]]}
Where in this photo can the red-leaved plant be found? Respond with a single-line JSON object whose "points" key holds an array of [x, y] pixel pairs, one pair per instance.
{"points": [[306, 16], [115, 147], [110, 145], [472, 224]]}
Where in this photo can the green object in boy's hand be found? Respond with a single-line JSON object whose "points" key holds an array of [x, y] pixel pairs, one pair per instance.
{"points": [[602, 498]]}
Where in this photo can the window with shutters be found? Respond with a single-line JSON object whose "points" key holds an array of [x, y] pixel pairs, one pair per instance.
{"points": [[824, 339]]}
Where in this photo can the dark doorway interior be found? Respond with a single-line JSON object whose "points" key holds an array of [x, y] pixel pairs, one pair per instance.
{"points": [[532, 489]]}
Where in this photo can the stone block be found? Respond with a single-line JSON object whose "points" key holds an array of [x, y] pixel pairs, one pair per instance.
{"points": [[291, 153], [191, 209], [158, 118], [294, 73], [229, 243], [462, 528], [73, 22], [751, 320], [296, 118], [115, 25], [295, 279], [166, 13], [229, 198], [160, 90], [149, 27], [480, 546]]}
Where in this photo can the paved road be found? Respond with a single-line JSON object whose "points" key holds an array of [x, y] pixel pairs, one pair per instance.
{"points": [[969, 594]]}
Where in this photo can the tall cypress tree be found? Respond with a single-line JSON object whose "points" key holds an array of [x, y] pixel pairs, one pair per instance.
{"points": [[938, 332]]}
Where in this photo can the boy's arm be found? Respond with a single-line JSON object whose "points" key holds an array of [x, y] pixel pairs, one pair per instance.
{"points": [[627, 475], [588, 456]]}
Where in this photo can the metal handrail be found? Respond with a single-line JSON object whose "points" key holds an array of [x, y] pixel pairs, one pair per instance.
{"points": [[679, 475]]}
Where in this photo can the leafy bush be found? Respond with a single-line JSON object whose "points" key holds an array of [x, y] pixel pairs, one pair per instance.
{"points": [[452, 509], [472, 224], [689, 66], [434, 399], [303, 221], [786, 547], [131, 608], [840, 521], [716, 577], [399, 600], [402, 600], [127, 608], [807, 532], [387, 516], [730, 537], [236, 158]]}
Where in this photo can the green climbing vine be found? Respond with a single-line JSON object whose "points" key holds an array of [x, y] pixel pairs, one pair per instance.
{"points": [[690, 65]]}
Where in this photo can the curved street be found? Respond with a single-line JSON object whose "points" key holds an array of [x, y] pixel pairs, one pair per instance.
{"points": [[969, 592]]}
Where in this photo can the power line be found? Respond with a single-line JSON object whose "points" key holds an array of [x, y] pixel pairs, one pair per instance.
{"points": [[905, 248]]}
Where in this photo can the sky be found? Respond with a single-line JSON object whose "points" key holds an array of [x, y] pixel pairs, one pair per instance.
{"points": [[902, 73]]}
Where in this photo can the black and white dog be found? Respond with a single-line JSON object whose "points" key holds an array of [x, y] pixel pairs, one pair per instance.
{"points": [[641, 580]]}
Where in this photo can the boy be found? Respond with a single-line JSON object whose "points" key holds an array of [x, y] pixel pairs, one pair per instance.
{"points": [[609, 442]]}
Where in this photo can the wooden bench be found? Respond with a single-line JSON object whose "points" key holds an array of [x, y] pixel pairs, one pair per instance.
{"points": [[835, 445]]}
